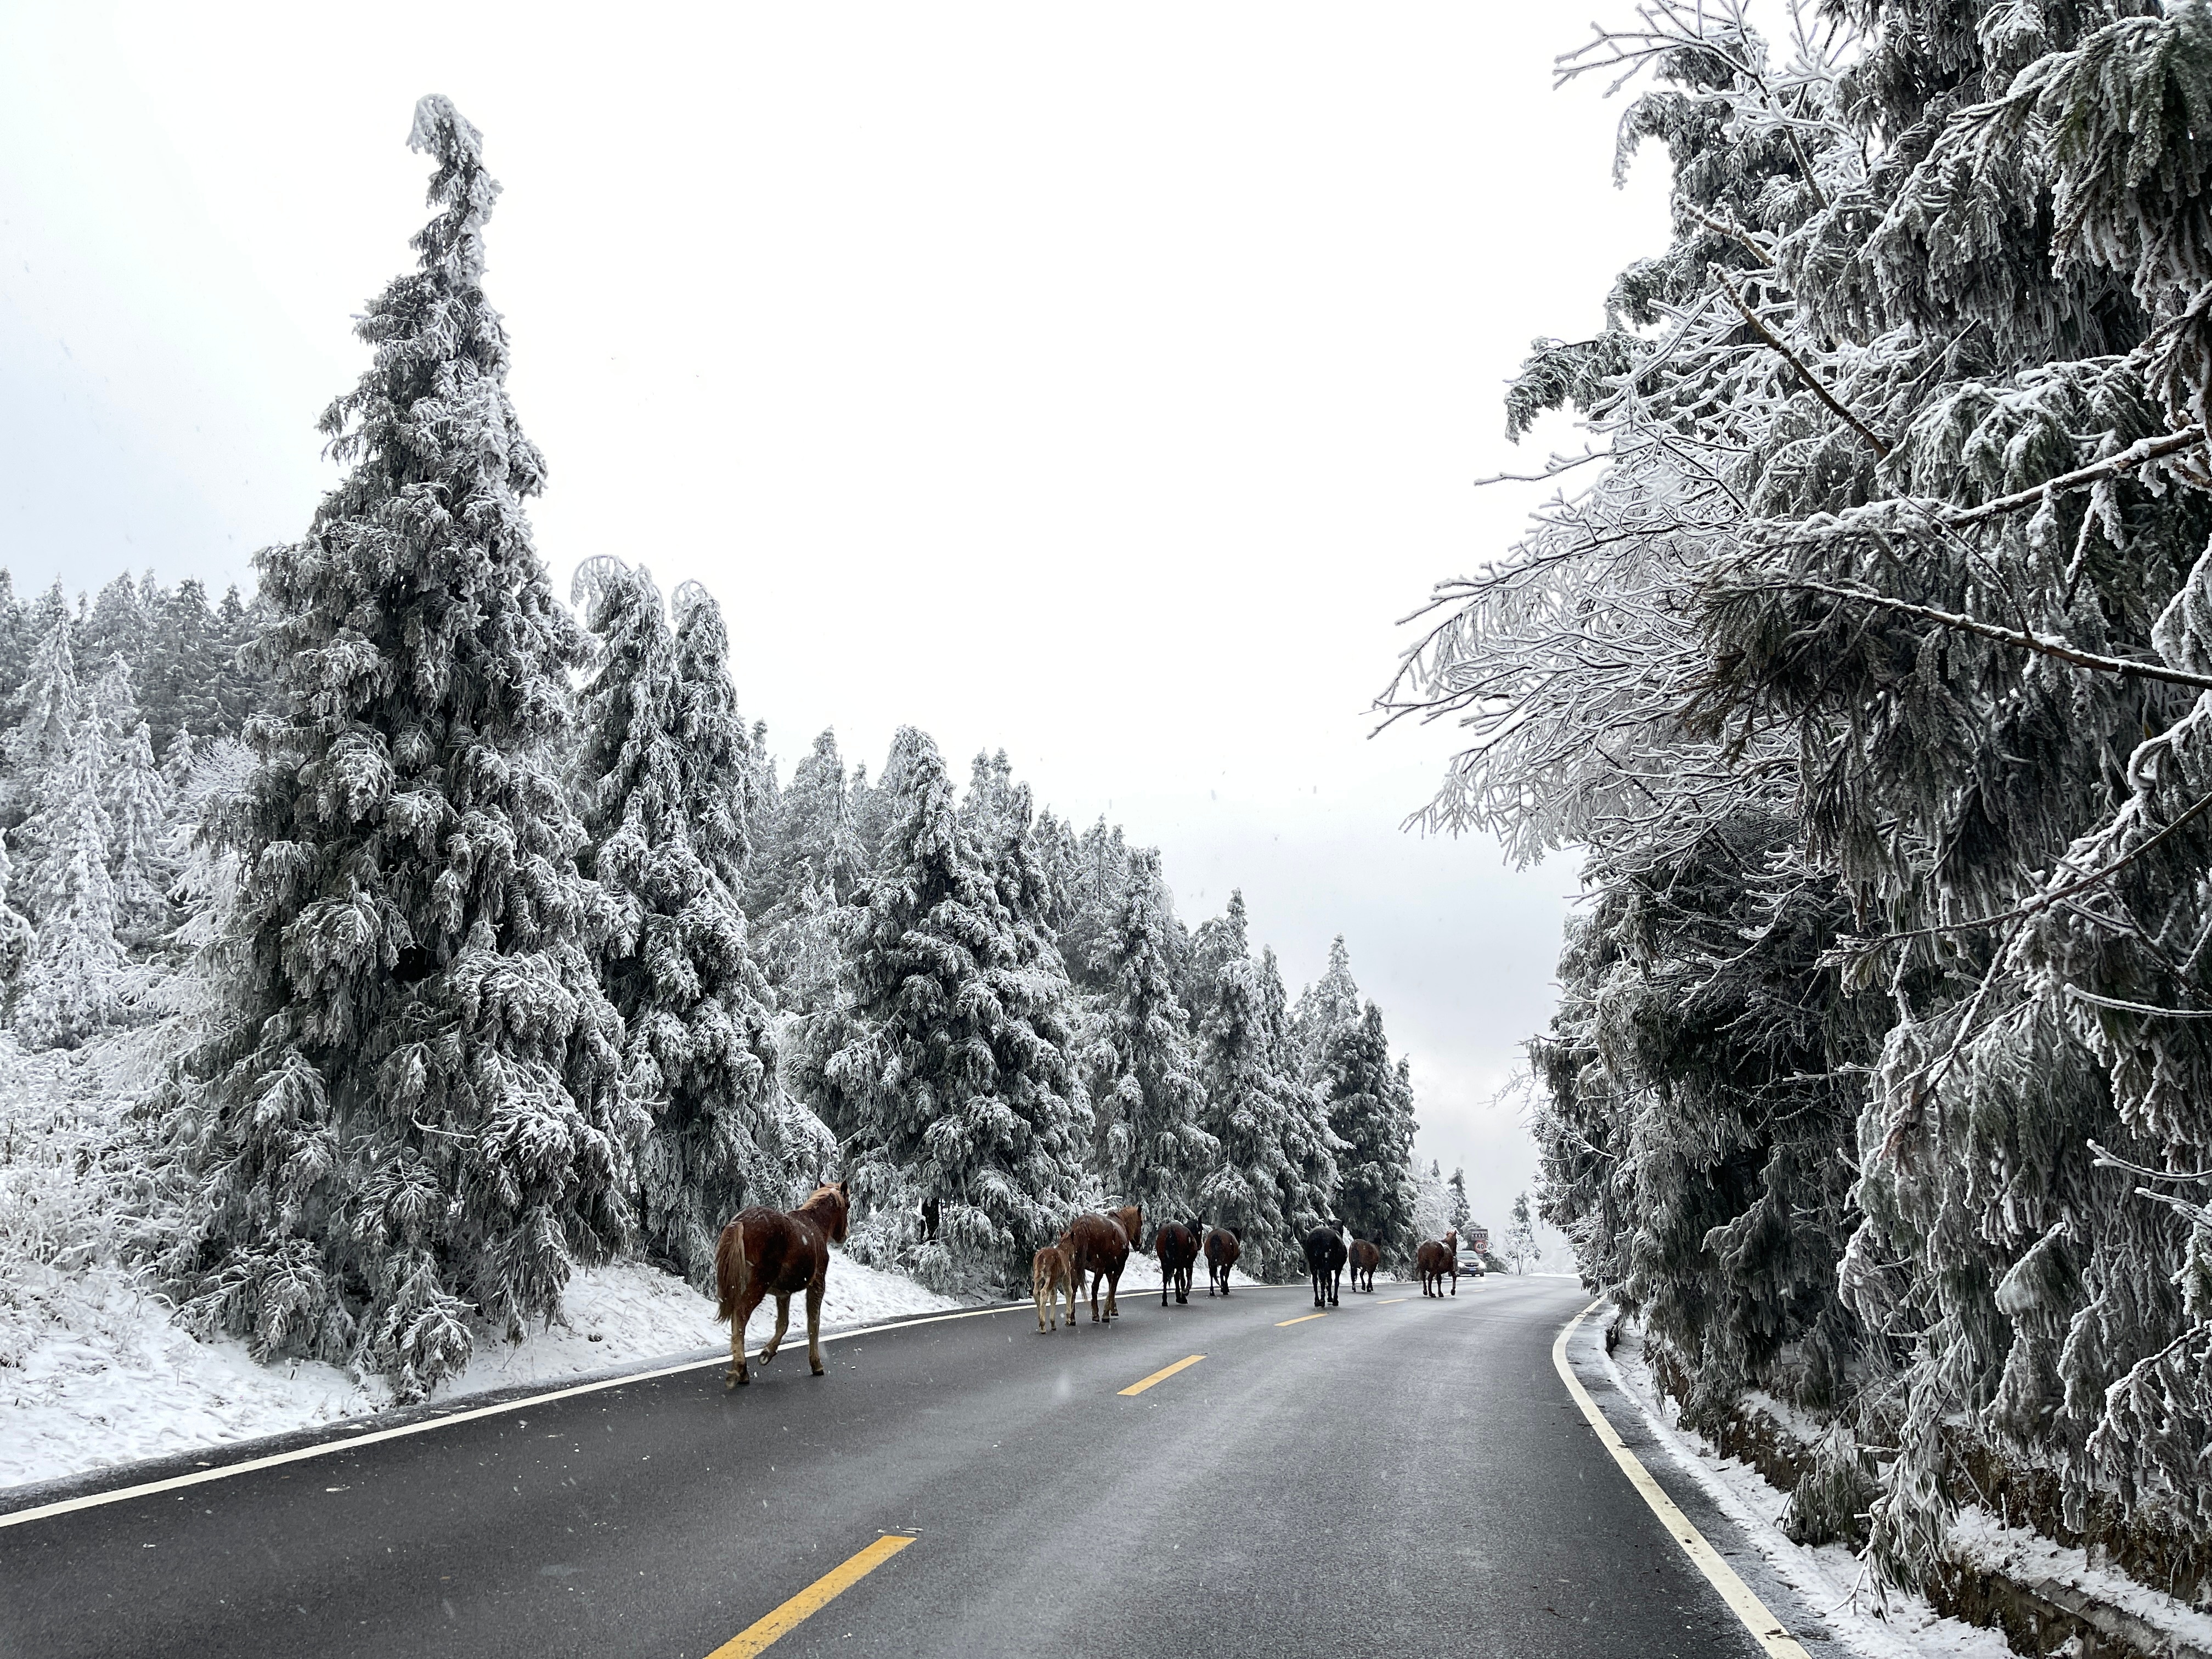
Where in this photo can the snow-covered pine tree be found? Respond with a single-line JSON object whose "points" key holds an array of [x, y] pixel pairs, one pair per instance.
{"points": [[418, 1122], [116, 626], [69, 982], [1520, 1236], [48, 703], [1459, 1215], [808, 841], [1276, 1176], [1369, 1105], [666, 829], [15, 931], [955, 1087], [1147, 1099], [1326, 1007], [179, 758], [664, 764], [138, 801], [1897, 533]]}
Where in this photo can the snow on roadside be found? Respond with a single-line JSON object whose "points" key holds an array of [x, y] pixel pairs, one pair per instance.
{"points": [[94, 1370], [109, 1379], [2029, 1558], [1881, 1624]]}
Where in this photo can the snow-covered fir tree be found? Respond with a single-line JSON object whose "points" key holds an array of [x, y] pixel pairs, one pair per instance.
{"points": [[1326, 1007], [1369, 1105], [49, 704], [954, 1087], [70, 981], [665, 817], [1882, 618], [1146, 1096], [415, 1122], [138, 805], [1276, 1176]]}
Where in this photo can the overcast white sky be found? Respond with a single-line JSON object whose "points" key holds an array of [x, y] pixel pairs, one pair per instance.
{"points": [[1098, 383]]}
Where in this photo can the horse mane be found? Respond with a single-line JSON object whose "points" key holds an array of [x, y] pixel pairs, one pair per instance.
{"points": [[829, 1197]]}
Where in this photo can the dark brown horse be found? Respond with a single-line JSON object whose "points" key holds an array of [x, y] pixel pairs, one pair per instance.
{"points": [[1325, 1261], [1177, 1246], [1096, 1245], [1223, 1247], [1434, 1260], [1365, 1259], [766, 1253]]}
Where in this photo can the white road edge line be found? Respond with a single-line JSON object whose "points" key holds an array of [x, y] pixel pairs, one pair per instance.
{"points": [[323, 1448], [1766, 1629]]}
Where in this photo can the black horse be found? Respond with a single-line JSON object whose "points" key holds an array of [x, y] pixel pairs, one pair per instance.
{"points": [[1223, 1247], [1325, 1260], [1176, 1247]]}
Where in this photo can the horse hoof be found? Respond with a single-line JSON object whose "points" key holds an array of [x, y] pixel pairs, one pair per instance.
{"points": [[819, 1371]]}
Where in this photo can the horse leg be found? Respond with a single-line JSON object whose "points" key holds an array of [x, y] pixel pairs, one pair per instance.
{"points": [[814, 1324], [738, 1373], [1114, 1294], [1096, 1318], [782, 1323]]}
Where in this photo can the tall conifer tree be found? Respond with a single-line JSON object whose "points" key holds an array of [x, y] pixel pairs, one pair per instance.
{"points": [[660, 744], [418, 1124], [1145, 1090], [955, 1088]]}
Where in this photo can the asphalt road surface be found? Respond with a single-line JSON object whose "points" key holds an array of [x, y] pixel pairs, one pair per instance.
{"points": [[1402, 1477]]}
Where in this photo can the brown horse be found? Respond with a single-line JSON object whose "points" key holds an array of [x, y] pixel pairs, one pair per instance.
{"points": [[766, 1253], [1176, 1247], [1223, 1247], [1096, 1245], [1049, 1272], [1132, 1218], [1365, 1259], [1434, 1260]]}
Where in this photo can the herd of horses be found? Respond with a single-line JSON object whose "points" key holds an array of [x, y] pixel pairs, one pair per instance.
{"points": [[764, 1253]]}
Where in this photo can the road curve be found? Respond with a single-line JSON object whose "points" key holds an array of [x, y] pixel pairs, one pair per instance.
{"points": [[1403, 1477]]}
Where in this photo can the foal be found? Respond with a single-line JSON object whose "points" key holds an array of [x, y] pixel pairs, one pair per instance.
{"points": [[1049, 1272], [765, 1253]]}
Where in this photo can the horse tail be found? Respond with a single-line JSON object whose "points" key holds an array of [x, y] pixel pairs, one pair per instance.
{"points": [[730, 1270]]}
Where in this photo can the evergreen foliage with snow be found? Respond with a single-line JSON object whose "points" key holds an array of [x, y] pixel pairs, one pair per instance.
{"points": [[1370, 1110], [420, 1115], [662, 764], [1276, 1178], [1868, 661], [452, 945], [1146, 1096], [955, 1089]]}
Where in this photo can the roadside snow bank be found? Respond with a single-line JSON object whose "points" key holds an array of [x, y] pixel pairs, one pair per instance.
{"points": [[1882, 1624], [93, 1371], [105, 1378]]}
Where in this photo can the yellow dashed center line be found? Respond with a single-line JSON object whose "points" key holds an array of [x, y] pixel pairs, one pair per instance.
{"points": [[756, 1636], [1163, 1375], [1393, 1300], [1300, 1320]]}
